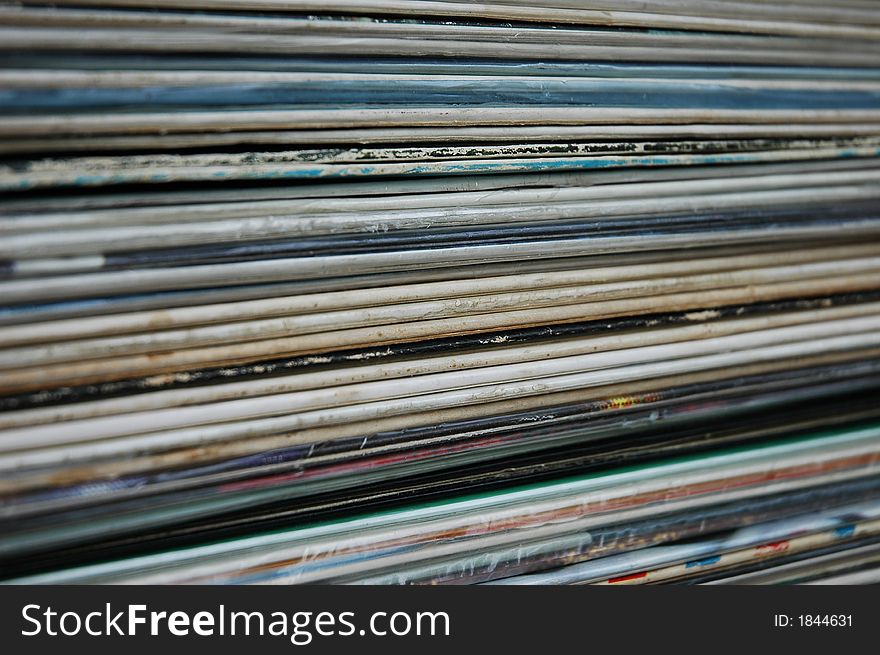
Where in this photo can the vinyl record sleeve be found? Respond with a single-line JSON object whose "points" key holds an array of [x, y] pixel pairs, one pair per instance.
{"points": [[432, 292]]}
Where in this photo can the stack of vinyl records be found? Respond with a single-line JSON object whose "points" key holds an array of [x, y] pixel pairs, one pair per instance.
{"points": [[374, 291]]}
